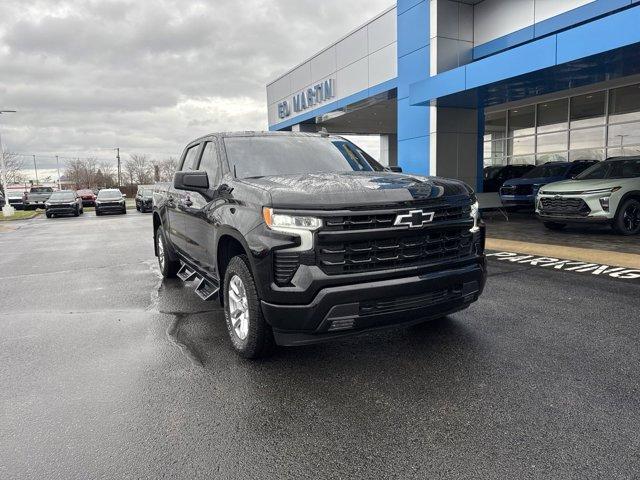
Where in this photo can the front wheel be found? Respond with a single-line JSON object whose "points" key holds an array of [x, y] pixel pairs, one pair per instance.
{"points": [[627, 221], [168, 268], [555, 226], [77, 212], [250, 334], [48, 215]]}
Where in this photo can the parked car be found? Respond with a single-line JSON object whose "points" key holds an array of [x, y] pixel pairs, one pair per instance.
{"points": [[63, 202], [306, 238], [606, 193], [495, 176], [110, 200], [144, 198], [15, 199], [36, 197], [88, 197], [521, 192]]}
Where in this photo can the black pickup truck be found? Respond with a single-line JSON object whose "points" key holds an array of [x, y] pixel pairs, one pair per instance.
{"points": [[305, 237]]}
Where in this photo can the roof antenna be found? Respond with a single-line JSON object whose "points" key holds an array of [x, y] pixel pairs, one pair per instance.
{"points": [[324, 132], [235, 175]]}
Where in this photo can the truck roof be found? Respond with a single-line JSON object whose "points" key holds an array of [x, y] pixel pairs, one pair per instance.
{"points": [[257, 133]]}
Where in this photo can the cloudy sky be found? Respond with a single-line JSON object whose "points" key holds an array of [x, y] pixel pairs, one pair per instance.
{"points": [[149, 75]]}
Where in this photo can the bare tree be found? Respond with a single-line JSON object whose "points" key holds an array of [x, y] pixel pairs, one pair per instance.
{"points": [[105, 176], [165, 169], [139, 169], [14, 165], [74, 172]]}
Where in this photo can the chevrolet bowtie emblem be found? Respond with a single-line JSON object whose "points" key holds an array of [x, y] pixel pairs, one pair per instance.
{"points": [[414, 219]]}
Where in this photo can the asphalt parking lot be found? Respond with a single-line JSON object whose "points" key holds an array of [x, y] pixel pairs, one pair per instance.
{"points": [[108, 372]]}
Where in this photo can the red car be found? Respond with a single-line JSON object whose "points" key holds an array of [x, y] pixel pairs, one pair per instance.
{"points": [[88, 197]]}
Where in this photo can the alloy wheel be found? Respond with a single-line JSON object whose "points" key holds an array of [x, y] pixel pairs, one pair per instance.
{"points": [[238, 307], [160, 244], [631, 218]]}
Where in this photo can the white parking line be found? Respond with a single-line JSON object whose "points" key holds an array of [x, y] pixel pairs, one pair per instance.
{"points": [[621, 273]]}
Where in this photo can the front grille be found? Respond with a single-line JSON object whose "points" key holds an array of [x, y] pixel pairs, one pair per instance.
{"points": [[386, 219], [405, 248], [110, 204], [571, 206], [285, 265], [517, 190], [63, 206]]}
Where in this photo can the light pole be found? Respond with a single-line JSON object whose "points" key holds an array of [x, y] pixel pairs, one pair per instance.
{"points": [[58, 165], [35, 167], [118, 158], [7, 210]]}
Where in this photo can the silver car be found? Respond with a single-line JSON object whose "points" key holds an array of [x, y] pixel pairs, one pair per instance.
{"points": [[606, 193]]}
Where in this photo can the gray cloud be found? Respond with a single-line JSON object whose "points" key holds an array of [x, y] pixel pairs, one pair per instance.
{"points": [[87, 76]]}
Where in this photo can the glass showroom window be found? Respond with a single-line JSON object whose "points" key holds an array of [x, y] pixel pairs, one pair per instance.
{"points": [[495, 132], [587, 139], [624, 130]]}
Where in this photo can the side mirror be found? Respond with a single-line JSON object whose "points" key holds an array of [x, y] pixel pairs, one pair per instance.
{"points": [[124, 195], [395, 168], [196, 181]]}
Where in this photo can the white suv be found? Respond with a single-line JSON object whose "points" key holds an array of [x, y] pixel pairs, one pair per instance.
{"points": [[608, 192]]}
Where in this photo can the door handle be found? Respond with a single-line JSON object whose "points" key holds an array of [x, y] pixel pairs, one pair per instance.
{"points": [[187, 202]]}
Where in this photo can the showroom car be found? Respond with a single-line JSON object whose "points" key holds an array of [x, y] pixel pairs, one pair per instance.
{"points": [[494, 176], [606, 193], [521, 192]]}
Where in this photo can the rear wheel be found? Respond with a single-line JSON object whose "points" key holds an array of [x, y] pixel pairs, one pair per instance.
{"points": [[168, 268], [555, 226], [627, 221], [250, 334]]}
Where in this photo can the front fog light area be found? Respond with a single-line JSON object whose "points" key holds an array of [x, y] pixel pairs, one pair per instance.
{"points": [[604, 203]]}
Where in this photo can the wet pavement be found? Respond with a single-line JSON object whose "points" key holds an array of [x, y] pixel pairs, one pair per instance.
{"points": [[109, 372], [525, 227]]}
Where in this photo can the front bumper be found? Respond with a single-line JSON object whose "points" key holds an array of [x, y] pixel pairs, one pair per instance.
{"points": [[61, 210], [596, 214], [110, 208], [518, 200], [350, 309]]}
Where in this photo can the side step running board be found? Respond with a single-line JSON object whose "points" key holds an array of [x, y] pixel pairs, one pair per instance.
{"points": [[186, 274], [206, 289]]}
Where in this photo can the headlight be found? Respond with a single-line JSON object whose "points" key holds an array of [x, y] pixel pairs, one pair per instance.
{"points": [[47, 204], [300, 225], [285, 222], [475, 214]]}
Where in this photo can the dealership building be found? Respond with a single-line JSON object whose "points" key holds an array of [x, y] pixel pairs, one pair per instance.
{"points": [[454, 86]]}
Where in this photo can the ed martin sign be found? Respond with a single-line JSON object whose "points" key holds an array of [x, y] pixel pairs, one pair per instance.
{"points": [[312, 96]]}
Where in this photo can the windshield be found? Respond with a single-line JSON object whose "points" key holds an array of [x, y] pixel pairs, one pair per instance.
{"points": [[41, 189], [546, 170], [279, 155], [62, 196], [109, 195], [13, 194], [625, 168], [146, 192]]}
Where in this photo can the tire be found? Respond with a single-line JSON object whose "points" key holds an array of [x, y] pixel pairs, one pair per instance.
{"points": [[555, 226], [627, 221], [48, 215], [124, 211], [77, 212], [98, 213], [251, 336], [168, 268]]}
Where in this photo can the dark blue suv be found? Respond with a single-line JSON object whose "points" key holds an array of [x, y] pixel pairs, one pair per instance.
{"points": [[521, 192]]}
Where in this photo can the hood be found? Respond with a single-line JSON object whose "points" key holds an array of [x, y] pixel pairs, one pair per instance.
{"points": [[584, 185], [329, 190]]}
